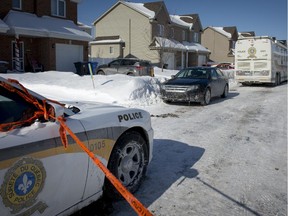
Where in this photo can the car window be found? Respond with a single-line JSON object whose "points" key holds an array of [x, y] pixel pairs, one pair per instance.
{"points": [[127, 62], [115, 63], [144, 63], [194, 73], [214, 74], [220, 73], [13, 108]]}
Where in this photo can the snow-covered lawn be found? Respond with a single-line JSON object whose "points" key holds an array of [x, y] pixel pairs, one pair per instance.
{"points": [[227, 158]]}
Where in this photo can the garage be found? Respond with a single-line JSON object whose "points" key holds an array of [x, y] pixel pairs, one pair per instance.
{"points": [[66, 55], [169, 59]]}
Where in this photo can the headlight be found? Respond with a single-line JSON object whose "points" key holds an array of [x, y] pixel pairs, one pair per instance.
{"points": [[193, 87]]}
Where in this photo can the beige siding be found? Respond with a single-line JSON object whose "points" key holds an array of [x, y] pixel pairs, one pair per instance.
{"points": [[131, 26], [218, 44], [103, 51]]}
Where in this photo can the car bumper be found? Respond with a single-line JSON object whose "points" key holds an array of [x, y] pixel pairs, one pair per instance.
{"points": [[182, 96]]}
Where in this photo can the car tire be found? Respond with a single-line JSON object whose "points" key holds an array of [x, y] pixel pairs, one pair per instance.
{"points": [[167, 101], [100, 72], [206, 98], [128, 163], [225, 92]]}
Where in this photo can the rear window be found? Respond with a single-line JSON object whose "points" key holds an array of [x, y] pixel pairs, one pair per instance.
{"points": [[145, 63]]}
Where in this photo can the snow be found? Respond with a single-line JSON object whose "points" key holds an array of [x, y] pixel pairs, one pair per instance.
{"points": [[222, 31], [23, 23], [3, 27], [174, 44], [177, 19], [227, 158], [140, 7]]}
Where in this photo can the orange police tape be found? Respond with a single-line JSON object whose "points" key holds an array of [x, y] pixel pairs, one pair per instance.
{"points": [[49, 114], [134, 203]]}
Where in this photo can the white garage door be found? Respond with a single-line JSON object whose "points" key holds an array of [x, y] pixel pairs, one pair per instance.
{"points": [[169, 58], [66, 55]]}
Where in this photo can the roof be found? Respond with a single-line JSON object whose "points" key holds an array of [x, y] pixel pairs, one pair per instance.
{"points": [[22, 23], [139, 7], [226, 31], [3, 27], [107, 40], [179, 20], [160, 42]]}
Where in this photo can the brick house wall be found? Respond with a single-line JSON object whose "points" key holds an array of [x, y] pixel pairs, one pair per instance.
{"points": [[42, 49]]}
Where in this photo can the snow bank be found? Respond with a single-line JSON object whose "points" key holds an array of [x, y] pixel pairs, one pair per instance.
{"points": [[117, 89]]}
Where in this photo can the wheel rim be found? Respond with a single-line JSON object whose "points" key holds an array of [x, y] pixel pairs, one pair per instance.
{"points": [[207, 97], [130, 164]]}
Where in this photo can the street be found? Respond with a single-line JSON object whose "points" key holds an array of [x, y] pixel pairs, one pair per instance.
{"points": [[227, 158]]}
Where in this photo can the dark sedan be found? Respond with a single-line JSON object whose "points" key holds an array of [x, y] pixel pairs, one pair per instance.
{"points": [[195, 84]]}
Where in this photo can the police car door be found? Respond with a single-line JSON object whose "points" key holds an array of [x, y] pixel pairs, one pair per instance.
{"points": [[37, 174]]}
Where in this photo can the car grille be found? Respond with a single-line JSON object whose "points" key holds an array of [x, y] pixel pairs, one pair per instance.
{"points": [[174, 88]]}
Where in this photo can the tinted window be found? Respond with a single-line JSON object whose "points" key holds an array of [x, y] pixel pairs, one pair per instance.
{"points": [[115, 63], [214, 74], [194, 73], [13, 108], [220, 73]]}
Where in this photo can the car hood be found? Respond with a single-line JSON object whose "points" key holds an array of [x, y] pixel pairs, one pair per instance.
{"points": [[93, 115], [183, 81]]}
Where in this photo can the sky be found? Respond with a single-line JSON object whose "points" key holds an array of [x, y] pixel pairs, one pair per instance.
{"points": [[265, 18]]}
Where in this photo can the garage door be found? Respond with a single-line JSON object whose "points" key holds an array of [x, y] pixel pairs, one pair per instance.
{"points": [[66, 55], [169, 59]]}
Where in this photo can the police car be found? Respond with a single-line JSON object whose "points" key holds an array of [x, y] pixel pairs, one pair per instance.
{"points": [[39, 176]]}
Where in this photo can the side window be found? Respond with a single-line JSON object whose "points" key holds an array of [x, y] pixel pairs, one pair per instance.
{"points": [[13, 108], [160, 30], [214, 74], [17, 4], [172, 33], [115, 63], [111, 50], [220, 73], [58, 8], [184, 37]]}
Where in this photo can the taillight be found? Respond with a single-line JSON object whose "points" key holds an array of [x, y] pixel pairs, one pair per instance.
{"points": [[139, 67]]}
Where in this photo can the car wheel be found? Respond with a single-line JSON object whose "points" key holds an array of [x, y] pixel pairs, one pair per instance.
{"points": [[100, 72], [225, 92], [207, 97], [128, 162], [167, 101], [277, 79]]}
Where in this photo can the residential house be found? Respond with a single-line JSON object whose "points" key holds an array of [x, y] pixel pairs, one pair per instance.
{"points": [[148, 31], [41, 34], [221, 42]]}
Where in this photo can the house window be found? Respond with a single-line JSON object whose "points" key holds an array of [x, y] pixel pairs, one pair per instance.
{"points": [[196, 37], [111, 50], [160, 30], [58, 8], [232, 44], [184, 35], [17, 4], [172, 33]]}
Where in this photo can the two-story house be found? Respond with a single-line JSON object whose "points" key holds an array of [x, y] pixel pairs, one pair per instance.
{"points": [[148, 31], [41, 33], [221, 42]]}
